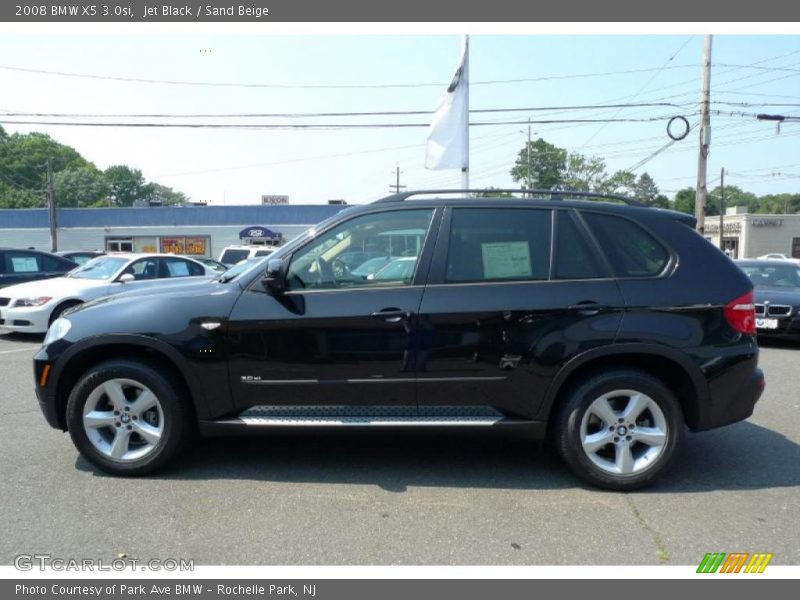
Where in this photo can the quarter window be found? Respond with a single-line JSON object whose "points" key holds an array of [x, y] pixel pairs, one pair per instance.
{"points": [[574, 257], [491, 244], [631, 250]]}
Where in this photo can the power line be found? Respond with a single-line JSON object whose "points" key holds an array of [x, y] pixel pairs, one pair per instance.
{"points": [[357, 86], [339, 114], [327, 126]]}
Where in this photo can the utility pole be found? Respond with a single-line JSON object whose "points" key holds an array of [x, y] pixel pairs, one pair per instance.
{"points": [[705, 140], [721, 208], [51, 208], [528, 179], [396, 187]]}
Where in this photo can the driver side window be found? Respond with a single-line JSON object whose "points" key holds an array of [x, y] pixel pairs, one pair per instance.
{"points": [[379, 249]]}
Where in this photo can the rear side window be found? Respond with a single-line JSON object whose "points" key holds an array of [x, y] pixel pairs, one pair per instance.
{"points": [[22, 262], [575, 258], [498, 244], [631, 250], [231, 257], [51, 263]]}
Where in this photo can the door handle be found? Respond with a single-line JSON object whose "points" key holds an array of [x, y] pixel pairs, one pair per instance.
{"points": [[391, 315], [587, 307]]}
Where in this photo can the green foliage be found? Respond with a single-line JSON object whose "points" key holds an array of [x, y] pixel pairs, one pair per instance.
{"points": [[584, 173], [76, 181], [80, 187], [547, 164]]}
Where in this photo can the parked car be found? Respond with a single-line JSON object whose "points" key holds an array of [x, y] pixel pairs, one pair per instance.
{"points": [[369, 266], [777, 296], [32, 307], [231, 255], [607, 328], [776, 256], [398, 269], [212, 264], [20, 266], [80, 256]]}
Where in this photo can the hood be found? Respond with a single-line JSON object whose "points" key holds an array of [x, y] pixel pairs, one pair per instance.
{"points": [[55, 287], [167, 289], [778, 295]]}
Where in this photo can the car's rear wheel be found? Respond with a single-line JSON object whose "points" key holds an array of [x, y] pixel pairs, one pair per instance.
{"points": [[127, 418], [620, 429]]}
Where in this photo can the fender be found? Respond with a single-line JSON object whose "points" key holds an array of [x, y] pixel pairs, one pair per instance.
{"points": [[133, 340], [692, 370]]}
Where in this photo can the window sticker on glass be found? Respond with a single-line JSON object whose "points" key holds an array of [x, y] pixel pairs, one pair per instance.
{"points": [[24, 264], [506, 260]]}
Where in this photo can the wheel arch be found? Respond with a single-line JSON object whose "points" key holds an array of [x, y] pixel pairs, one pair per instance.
{"points": [[671, 367], [63, 305], [81, 357]]}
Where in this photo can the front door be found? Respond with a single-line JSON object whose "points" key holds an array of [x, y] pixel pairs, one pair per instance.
{"points": [[338, 335]]}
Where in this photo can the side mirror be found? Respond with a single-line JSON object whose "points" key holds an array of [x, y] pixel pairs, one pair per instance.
{"points": [[126, 278], [274, 280]]}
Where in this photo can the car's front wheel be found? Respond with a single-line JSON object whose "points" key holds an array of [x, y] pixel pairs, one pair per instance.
{"points": [[619, 430], [127, 418]]}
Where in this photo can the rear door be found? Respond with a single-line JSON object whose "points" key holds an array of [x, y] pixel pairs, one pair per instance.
{"points": [[513, 294], [20, 266]]}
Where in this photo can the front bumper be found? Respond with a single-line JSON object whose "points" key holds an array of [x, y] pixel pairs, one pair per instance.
{"points": [[45, 389], [34, 319], [787, 327]]}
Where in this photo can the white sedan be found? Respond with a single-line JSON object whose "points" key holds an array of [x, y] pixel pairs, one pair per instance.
{"points": [[31, 307]]}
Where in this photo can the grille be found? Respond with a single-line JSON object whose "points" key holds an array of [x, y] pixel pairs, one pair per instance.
{"points": [[778, 310], [760, 310]]}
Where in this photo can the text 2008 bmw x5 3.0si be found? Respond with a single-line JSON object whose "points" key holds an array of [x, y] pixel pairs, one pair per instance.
{"points": [[607, 328]]}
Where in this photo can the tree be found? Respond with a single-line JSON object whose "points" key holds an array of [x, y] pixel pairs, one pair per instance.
{"points": [[80, 187], [779, 204], [166, 195], [548, 163], [14, 197], [125, 184], [491, 192], [621, 182], [585, 174], [684, 200], [734, 196]]}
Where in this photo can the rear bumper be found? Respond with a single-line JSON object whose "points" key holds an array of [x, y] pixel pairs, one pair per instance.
{"points": [[732, 398]]}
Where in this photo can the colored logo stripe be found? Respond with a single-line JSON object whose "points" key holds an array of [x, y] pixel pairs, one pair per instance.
{"points": [[734, 563]]}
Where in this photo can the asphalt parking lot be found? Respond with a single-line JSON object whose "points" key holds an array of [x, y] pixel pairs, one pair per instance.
{"points": [[399, 499]]}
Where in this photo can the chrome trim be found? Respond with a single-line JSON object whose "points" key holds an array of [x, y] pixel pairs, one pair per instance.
{"points": [[373, 380]]}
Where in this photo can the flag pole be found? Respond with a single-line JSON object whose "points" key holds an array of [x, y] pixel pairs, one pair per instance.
{"points": [[465, 168]]}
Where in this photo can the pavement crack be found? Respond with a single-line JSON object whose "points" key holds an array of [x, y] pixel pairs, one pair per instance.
{"points": [[658, 542]]}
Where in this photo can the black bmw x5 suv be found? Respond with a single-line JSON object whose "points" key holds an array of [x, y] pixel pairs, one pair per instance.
{"points": [[607, 328]]}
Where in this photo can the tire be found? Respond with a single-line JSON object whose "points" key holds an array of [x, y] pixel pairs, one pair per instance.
{"points": [[58, 310], [127, 418], [633, 451]]}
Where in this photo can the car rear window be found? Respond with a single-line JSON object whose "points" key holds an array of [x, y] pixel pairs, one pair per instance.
{"points": [[231, 257], [631, 250]]}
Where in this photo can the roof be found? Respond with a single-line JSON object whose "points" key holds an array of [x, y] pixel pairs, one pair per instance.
{"points": [[170, 216]]}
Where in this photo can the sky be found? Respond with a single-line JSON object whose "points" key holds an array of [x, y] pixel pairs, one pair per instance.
{"points": [[311, 73]]}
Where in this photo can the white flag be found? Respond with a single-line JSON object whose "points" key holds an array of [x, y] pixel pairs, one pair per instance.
{"points": [[448, 136]]}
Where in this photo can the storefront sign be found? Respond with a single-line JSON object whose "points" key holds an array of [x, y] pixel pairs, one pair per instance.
{"points": [[260, 233], [712, 227], [767, 222], [191, 246]]}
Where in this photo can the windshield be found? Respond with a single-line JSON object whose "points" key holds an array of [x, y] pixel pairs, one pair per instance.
{"points": [[787, 276], [102, 267]]}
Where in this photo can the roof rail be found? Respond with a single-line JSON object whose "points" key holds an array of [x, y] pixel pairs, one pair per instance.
{"points": [[553, 194]]}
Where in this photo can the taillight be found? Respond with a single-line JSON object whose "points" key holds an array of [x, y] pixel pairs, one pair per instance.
{"points": [[741, 313]]}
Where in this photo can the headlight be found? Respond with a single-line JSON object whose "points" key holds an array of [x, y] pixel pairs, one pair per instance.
{"points": [[33, 301], [57, 330]]}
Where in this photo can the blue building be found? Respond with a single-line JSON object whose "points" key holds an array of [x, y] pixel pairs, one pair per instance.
{"points": [[193, 230]]}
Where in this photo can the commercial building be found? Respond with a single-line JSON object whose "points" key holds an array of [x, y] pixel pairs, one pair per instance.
{"points": [[192, 230], [747, 235]]}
